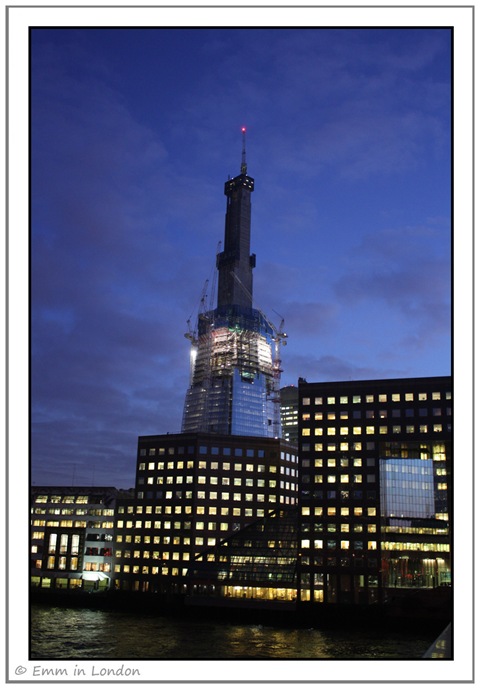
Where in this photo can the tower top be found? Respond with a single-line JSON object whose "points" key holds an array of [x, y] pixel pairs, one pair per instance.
{"points": [[243, 167]]}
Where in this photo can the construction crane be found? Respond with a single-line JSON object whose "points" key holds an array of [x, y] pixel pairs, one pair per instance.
{"points": [[192, 333]]}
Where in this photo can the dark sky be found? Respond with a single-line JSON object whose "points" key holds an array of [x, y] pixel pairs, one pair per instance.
{"points": [[133, 134]]}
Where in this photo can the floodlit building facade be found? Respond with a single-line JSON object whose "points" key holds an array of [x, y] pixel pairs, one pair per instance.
{"points": [[235, 364], [374, 487]]}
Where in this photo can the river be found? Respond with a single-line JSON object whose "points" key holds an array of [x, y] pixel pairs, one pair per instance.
{"points": [[59, 633]]}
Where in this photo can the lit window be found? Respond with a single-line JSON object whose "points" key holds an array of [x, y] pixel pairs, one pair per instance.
{"points": [[330, 400], [436, 396], [305, 431], [437, 427], [356, 399], [370, 430], [343, 400], [306, 401], [318, 400], [331, 430], [319, 431], [357, 430]]}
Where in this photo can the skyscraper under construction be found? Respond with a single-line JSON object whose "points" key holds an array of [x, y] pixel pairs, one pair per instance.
{"points": [[235, 363]]}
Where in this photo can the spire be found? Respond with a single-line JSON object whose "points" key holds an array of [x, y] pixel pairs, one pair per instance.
{"points": [[243, 167]]}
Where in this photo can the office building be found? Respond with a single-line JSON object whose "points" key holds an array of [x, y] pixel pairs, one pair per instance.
{"points": [[235, 362], [374, 487], [289, 413], [193, 491], [374, 507], [71, 537]]}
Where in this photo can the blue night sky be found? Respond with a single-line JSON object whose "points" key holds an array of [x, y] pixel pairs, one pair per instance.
{"points": [[133, 134]]}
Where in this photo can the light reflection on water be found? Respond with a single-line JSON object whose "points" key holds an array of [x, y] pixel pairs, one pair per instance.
{"points": [[76, 634]]}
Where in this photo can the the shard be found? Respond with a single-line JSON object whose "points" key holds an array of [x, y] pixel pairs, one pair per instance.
{"points": [[235, 364]]}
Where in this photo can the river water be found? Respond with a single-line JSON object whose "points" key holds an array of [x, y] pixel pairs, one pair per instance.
{"points": [[59, 633]]}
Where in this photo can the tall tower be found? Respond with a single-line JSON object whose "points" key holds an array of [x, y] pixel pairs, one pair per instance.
{"points": [[235, 368]]}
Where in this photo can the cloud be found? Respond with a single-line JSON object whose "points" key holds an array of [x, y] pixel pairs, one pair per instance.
{"points": [[399, 269]]}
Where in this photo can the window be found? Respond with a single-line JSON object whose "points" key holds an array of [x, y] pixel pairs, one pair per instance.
{"points": [[330, 400], [306, 401]]}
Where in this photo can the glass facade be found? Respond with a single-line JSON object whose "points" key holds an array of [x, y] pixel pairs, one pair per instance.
{"points": [[233, 386], [407, 488]]}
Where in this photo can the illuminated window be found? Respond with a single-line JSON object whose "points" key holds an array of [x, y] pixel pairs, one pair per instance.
{"points": [[331, 430], [437, 427], [318, 400], [306, 401], [330, 400], [436, 396], [305, 431]]}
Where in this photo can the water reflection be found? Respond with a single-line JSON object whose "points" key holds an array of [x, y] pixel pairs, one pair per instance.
{"points": [[62, 633]]}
